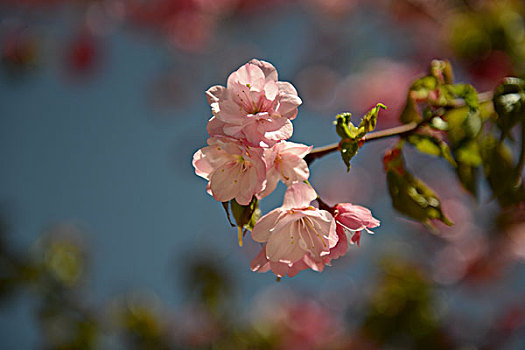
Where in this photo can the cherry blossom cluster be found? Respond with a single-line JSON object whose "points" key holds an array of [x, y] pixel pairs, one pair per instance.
{"points": [[247, 155]]}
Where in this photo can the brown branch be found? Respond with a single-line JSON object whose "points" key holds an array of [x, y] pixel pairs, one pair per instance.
{"points": [[378, 135]]}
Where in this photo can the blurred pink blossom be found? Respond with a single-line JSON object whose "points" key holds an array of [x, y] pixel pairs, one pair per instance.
{"points": [[381, 81]]}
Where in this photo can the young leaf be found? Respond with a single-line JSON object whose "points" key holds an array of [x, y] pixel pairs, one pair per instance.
{"points": [[348, 149], [369, 121], [464, 126], [351, 135], [344, 126], [419, 91], [411, 196], [410, 113], [431, 145], [468, 177], [504, 179]]}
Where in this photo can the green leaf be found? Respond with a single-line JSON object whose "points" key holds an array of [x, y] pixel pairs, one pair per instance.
{"points": [[369, 121], [464, 127], [431, 145], [348, 149], [502, 176], [411, 196], [410, 113], [468, 177], [468, 154], [344, 126]]}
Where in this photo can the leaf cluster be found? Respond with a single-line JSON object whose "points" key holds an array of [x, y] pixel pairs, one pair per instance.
{"points": [[475, 137]]}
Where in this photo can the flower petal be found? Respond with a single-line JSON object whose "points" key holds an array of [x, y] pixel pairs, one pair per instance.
{"points": [[293, 169], [264, 226], [299, 195], [215, 93], [283, 244], [267, 68], [224, 181], [260, 263]]}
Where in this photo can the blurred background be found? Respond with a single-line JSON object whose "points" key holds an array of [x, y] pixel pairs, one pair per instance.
{"points": [[108, 239]]}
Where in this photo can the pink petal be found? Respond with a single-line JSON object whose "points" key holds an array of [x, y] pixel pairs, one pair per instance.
{"points": [[299, 195], [355, 217], [314, 237], [267, 68], [215, 93], [297, 267], [288, 104], [249, 75], [271, 90], [293, 169], [278, 129], [202, 166], [298, 149], [260, 263], [249, 184], [224, 182], [356, 238], [314, 265], [215, 127], [283, 244], [286, 88], [272, 178], [328, 224], [279, 269], [230, 112], [341, 247], [265, 225]]}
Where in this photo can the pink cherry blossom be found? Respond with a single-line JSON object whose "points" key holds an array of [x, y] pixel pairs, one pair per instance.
{"points": [[285, 162], [295, 234], [254, 105], [353, 219], [348, 218], [234, 170]]}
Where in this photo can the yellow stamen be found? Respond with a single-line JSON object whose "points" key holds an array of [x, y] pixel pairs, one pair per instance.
{"points": [[285, 177], [240, 235]]}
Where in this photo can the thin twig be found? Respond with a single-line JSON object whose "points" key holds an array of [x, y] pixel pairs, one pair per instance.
{"points": [[373, 136]]}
